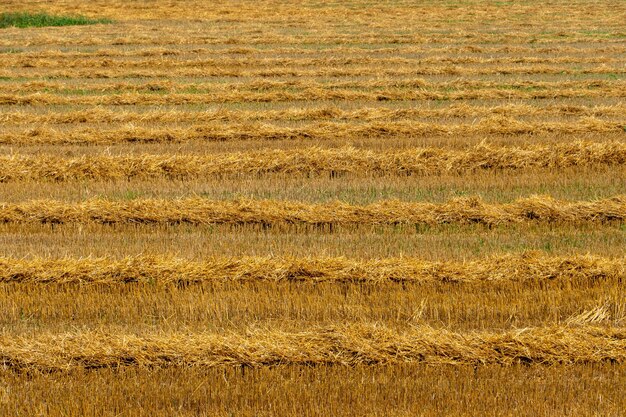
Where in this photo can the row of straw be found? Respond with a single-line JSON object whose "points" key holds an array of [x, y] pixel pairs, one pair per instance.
{"points": [[339, 71], [250, 62], [328, 35], [497, 124], [262, 84], [314, 162], [525, 268], [344, 50], [104, 115], [321, 93], [341, 345], [274, 212]]}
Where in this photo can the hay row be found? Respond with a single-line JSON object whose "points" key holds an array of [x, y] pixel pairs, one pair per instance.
{"points": [[343, 50], [272, 212], [104, 115], [264, 62], [526, 268], [330, 37], [310, 162], [307, 94], [341, 345], [264, 85], [356, 71], [319, 131]]}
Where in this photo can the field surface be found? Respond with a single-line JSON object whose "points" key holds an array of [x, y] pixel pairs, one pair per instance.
{"points": [[313, 208]]}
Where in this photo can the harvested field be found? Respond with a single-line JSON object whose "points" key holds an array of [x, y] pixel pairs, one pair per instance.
{"points": [[312, 208]]}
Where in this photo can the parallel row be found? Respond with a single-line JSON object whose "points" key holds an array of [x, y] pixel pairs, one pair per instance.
{"points": [[219, 132], [141, 35], [273, 212], [399, 50], [338, 71], [526, 269], [250, 95], [249, 62], [341, 345], [261, 84], [325, 112], [310, 162]]}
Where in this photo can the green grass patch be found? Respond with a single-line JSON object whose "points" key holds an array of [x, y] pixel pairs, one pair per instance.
{"points": [[24, 20]]}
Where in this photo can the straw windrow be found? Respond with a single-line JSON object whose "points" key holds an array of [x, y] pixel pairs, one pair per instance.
{"points": [[341, 345], [309, 94], [528, 268], [320, 131], [273, 212], [326, 72], [118, 115], [313, 162]]}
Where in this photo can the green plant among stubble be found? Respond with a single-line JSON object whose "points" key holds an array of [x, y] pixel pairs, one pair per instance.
{"points": [[24, 20]]}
